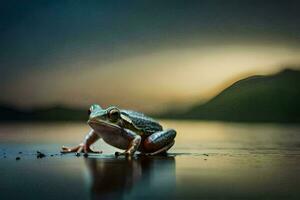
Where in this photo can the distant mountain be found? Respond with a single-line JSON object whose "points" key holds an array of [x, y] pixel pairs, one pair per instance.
{"points": [[57, 113], [273, 98]]}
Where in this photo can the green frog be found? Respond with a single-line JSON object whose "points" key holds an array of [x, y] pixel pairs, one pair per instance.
{"points": [[124, 129]]}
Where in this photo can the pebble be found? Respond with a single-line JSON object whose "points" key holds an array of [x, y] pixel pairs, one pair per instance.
{"points": [[40, 154], [18, 158]]}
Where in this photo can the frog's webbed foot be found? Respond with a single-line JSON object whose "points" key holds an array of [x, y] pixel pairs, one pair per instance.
{"points": [[84, 147], [81, 148], [135, 143], [125, 153]]}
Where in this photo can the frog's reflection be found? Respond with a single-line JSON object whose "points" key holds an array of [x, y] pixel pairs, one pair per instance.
{"points": [[113, 178]]}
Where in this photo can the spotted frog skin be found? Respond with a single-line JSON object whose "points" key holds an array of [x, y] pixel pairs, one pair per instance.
{"points": [[125, 129]]}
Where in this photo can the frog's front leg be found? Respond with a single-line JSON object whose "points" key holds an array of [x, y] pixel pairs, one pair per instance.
{"points": [[133, 144], [84, 147], [159, 142]]}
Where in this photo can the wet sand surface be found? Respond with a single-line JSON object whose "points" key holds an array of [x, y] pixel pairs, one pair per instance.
{"points": [[210, 160]]}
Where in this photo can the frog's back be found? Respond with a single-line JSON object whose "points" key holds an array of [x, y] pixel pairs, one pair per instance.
{"points": [[147, 124]]}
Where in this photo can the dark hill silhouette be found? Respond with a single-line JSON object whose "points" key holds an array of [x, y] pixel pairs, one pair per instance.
{"points": [[273, 98], [56, 113]]}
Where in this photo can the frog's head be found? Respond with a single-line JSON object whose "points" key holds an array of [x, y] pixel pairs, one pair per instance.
{"points": [[104, 119]]}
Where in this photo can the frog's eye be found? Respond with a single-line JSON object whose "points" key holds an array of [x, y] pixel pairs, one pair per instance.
{"points": [[114, 115]]}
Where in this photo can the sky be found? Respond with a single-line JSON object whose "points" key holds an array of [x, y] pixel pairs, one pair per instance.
{"points": [[143, 55]]}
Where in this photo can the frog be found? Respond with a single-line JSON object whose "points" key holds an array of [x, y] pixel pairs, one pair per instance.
{"points": [[127, 130]]}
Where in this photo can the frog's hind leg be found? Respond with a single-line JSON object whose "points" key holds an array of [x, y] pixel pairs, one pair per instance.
{"points": [[159, 142], [162, 150]]}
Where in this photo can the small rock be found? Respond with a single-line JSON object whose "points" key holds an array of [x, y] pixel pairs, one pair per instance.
{"points": [[77, 154], [205, 154], [4, 156], [51, 155], [40, 154], [86, 155], [20, 152], [205, 159], [18, 158]]}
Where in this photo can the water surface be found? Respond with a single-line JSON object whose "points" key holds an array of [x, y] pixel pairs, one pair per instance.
{"points": [[210, 160]]}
